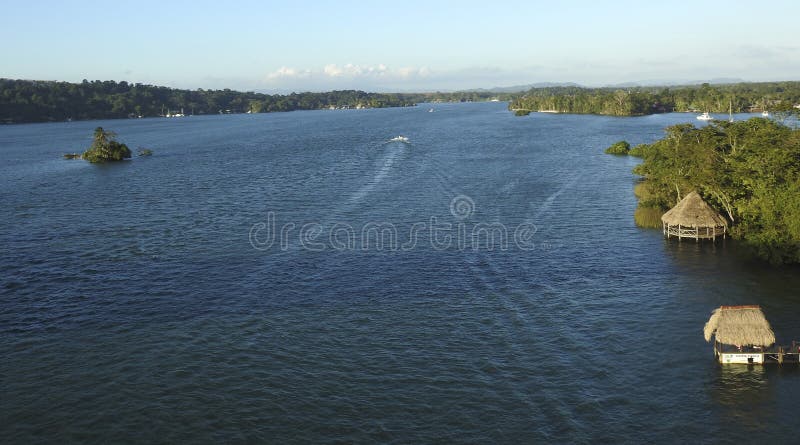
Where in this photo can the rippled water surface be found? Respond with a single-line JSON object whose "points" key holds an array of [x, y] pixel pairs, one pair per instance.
{"points": [[134, 306]]}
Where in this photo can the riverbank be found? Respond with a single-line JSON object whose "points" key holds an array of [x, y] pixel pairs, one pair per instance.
{"points": [[774, 97]]}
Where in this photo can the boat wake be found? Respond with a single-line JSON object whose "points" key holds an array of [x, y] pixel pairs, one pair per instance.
{"points": [[379, 176], [545, 206]]}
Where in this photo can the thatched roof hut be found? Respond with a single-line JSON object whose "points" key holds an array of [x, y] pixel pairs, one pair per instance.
{"points": [[739, 326], [693, 218]]}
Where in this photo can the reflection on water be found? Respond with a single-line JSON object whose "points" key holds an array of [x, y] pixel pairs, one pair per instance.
{"points": [[689, 252], [737, 382], [132, 305], [749, 397]]}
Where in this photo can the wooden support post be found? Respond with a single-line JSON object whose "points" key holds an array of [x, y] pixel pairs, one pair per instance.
{"points": [[780, 355]]}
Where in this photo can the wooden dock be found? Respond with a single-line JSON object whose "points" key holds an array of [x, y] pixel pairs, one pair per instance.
{"points": [[760, 356]]}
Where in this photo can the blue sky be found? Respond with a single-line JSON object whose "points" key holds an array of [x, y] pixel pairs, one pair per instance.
{"points": [[399, 45]]}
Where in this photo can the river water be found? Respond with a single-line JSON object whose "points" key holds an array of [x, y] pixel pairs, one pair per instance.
{"points": [[298, 277]]}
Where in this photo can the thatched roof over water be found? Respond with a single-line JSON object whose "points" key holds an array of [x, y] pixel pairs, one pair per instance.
{"points": [[692, 211], [739, 326]]}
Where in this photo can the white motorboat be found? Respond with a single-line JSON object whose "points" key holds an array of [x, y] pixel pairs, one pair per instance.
{"points": [[705, 117], [399, 139]]}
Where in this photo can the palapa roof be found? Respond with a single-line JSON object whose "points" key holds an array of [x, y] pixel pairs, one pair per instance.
{"points": [[739, 326], [692, 211]]}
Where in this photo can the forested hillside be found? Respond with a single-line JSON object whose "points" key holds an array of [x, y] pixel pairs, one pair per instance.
{"points": [[779, 97], [43, 101]]}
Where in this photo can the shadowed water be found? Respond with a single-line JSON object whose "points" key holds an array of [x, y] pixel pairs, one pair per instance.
{"points": [[133, 307]]}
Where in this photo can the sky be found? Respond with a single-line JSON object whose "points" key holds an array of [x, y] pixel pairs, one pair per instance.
{"points": [[409, 45]]}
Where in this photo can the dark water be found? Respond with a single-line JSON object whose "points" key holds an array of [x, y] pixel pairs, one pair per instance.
{"points": [[134, 307]]}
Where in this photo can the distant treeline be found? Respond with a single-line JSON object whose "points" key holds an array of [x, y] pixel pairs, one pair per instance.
{"points": [[43, 101], [740, 97]]}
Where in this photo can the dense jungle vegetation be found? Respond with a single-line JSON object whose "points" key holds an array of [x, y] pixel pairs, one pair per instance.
{"points": [[748, 170], [775, 97], [47, 101]]}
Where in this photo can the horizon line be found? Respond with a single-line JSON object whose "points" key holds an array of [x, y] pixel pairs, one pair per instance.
{"points": [[519, 88]]}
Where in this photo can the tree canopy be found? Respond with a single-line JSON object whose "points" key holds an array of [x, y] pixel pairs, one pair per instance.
{"points": [[43, 101], [619, 148], [748, 170], [775, 97]]}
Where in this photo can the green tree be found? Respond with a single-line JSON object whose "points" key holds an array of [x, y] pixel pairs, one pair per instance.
{"points": [[619, 148]]}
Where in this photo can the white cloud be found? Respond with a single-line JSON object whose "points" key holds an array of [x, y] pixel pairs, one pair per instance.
{"points": [[378, 76], [288, 73], [357, 71], [406, 72], [351, 71]]}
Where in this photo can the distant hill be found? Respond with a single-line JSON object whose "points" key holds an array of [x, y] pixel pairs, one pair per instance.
{"points": [[630, 84], [670, 83], [522, 88]]}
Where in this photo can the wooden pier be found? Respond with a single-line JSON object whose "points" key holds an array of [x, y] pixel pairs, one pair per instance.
{"points": [[759, 356]]}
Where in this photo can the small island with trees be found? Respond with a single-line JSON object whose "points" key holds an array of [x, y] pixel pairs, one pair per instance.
{"points": [[619, 148], [105, 148]]}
